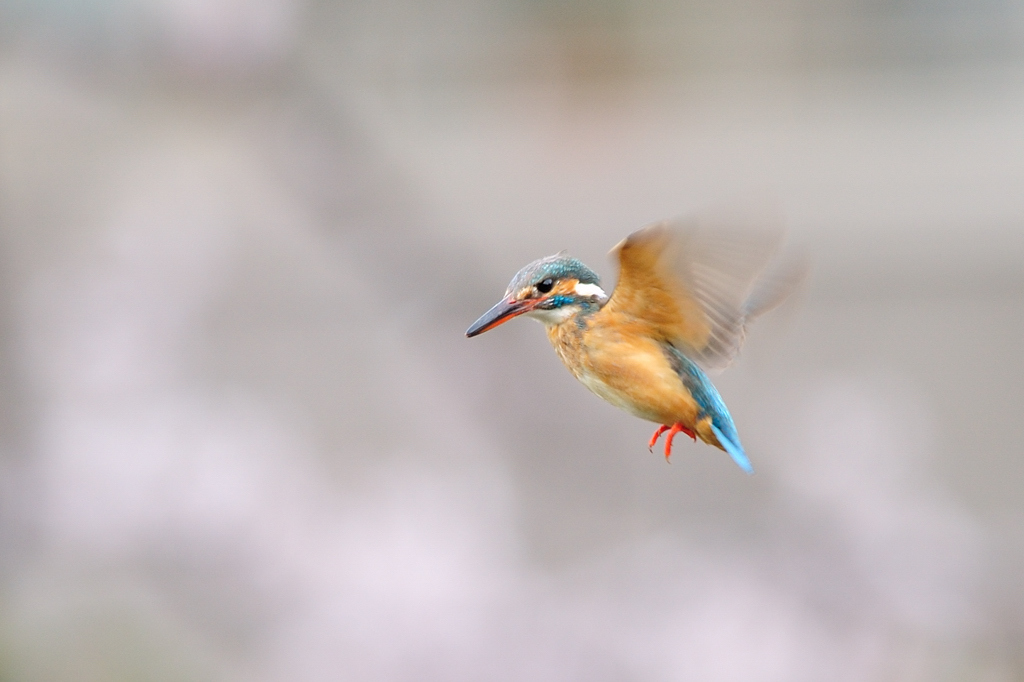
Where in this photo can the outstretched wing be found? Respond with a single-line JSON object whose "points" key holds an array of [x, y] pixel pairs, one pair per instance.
{"points": [[695, 284]]}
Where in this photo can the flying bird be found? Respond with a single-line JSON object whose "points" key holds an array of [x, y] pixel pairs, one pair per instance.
{"points": [[685, 294]]}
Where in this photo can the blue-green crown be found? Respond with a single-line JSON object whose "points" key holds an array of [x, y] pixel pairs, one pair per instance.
{"points": [[556, 267]]}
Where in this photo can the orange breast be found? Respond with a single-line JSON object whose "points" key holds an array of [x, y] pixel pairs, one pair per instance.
{"points": [[618, 361]]}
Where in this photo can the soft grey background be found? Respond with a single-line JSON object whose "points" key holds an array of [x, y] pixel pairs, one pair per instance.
{"points": [[244, 438]]}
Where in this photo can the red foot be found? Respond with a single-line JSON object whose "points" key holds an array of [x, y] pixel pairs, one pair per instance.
{"points": [[656, 436], [672, 431], [676, 428]]}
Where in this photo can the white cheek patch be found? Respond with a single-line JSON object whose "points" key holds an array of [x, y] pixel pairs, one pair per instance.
{"points": [[588, 290]]}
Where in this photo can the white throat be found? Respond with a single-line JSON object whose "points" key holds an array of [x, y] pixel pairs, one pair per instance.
{"points": [[554, 317]]}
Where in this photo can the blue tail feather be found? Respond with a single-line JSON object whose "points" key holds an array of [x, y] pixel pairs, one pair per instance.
{"points": [[734, 449], [711, 404]]}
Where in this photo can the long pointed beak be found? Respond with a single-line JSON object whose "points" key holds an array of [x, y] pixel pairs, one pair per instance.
{"points": [[504, 311]]}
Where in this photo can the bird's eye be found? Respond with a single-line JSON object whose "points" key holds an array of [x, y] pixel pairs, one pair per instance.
{"points": [[545, 285]]}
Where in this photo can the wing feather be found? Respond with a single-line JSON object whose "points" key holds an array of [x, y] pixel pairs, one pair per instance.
{"points": [[696, 283]]}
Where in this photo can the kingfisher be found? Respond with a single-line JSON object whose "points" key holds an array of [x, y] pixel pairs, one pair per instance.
{"points": [[684, 296]]}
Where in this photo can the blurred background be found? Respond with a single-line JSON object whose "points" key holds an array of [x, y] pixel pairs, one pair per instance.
{"points": [[242, 436]]}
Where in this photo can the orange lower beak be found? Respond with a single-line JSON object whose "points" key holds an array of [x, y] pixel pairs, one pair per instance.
{"points": [[504, 311]]}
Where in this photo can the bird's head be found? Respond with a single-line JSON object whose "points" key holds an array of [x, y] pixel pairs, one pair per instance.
{"points": [[551, 290]]}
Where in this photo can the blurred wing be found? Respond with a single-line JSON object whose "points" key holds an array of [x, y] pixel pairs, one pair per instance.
{"points": [[696, 283]]}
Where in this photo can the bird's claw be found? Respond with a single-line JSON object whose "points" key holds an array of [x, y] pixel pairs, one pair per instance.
{"points": [[672, 431], [654, 439]]}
